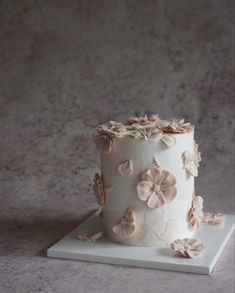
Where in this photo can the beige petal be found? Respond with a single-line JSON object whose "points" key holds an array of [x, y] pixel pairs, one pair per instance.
{"points": [[156, 134], [214, 219], [191, 169], [188, 156], [155, 201], [195, 251], [126, 168], [98, 188], [147, 176], [156, 173], [144, 190], [177, 244], [198, 202], [129, 217], [88, 235], [96, 236], [169, 194], [130, 229], [166, 180], [104, 143], [169, 140], [127, 225]]}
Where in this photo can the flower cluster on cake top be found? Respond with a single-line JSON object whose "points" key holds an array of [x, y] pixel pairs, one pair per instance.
{"points": [[143, 127]]}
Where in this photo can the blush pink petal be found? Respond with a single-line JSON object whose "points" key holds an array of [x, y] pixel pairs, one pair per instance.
{"points": [[147, 176], [154, 201], [166, 180], [144, 190], [156, 173], [169, 194]]}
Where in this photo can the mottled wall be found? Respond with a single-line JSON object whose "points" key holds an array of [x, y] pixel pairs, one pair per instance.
{"points": [[66, 66]]}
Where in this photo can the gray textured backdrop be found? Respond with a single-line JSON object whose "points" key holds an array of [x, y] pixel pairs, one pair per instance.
{"points": [[66, 66]]}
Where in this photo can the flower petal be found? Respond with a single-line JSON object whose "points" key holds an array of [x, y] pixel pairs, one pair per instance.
{"points": [[169, 140], [188, 156], [166, 180], [104, 143], [127, 225], [129, 217], [144, 190], [214, 219], [147, 176], [169, 194], [156, 173], [156, 134], [192, 169], [187, 247], [126, 168], [155, 201]]}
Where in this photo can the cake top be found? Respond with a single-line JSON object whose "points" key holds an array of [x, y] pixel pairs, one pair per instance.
{"points": [[144, 127]]}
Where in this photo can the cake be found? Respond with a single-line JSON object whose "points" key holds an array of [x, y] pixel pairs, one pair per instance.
{"points": [[146, 181]]}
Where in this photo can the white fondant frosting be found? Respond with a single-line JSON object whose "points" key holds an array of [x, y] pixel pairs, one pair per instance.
{"points": [[157, 226], [148, 167]]}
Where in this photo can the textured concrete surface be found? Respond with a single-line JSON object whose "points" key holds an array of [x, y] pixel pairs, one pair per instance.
{"points": [[66, 66]]}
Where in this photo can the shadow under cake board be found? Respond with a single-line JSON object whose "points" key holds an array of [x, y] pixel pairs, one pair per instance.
{"points": [[103, 250]]}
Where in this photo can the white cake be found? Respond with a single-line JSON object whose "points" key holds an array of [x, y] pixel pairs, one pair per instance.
{"points": [[146, 181]]}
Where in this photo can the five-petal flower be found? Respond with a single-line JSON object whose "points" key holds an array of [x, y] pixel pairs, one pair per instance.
{"points": [[157, 187], [190, 248]]}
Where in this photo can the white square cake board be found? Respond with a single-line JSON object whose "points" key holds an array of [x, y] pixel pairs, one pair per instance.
{"points": [[103, 250]]}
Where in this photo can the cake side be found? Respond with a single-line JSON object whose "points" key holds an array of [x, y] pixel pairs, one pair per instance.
{"points": [[147, 180], [154, 225]]}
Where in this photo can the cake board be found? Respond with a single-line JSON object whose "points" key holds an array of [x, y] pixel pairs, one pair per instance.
{"points": [[103, 250]]}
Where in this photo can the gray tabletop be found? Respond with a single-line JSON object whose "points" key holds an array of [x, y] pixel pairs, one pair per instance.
{"points": [[66, 66]]}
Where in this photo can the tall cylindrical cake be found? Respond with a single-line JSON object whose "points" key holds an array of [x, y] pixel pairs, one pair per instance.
{"points": [[146, 184]]}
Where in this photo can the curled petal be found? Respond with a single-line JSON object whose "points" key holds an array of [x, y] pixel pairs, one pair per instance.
{"points": [[156, 134], [147, 176], [99, 189], [104, 143], [127, 225], [188, 157], [214, 219], [144, 190], [126, 168], [130, 216], [124, 229], [196, 213], [198, 202], [88, 235], [191, 169], [169, 140]]}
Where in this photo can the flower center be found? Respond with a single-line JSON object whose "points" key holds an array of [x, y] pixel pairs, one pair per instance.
{"points": [[156, 188]]}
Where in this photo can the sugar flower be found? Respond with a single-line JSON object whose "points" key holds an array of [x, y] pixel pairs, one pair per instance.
{"points": [[127, 225], [196, 212], [190, 248], [157, 187]]}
